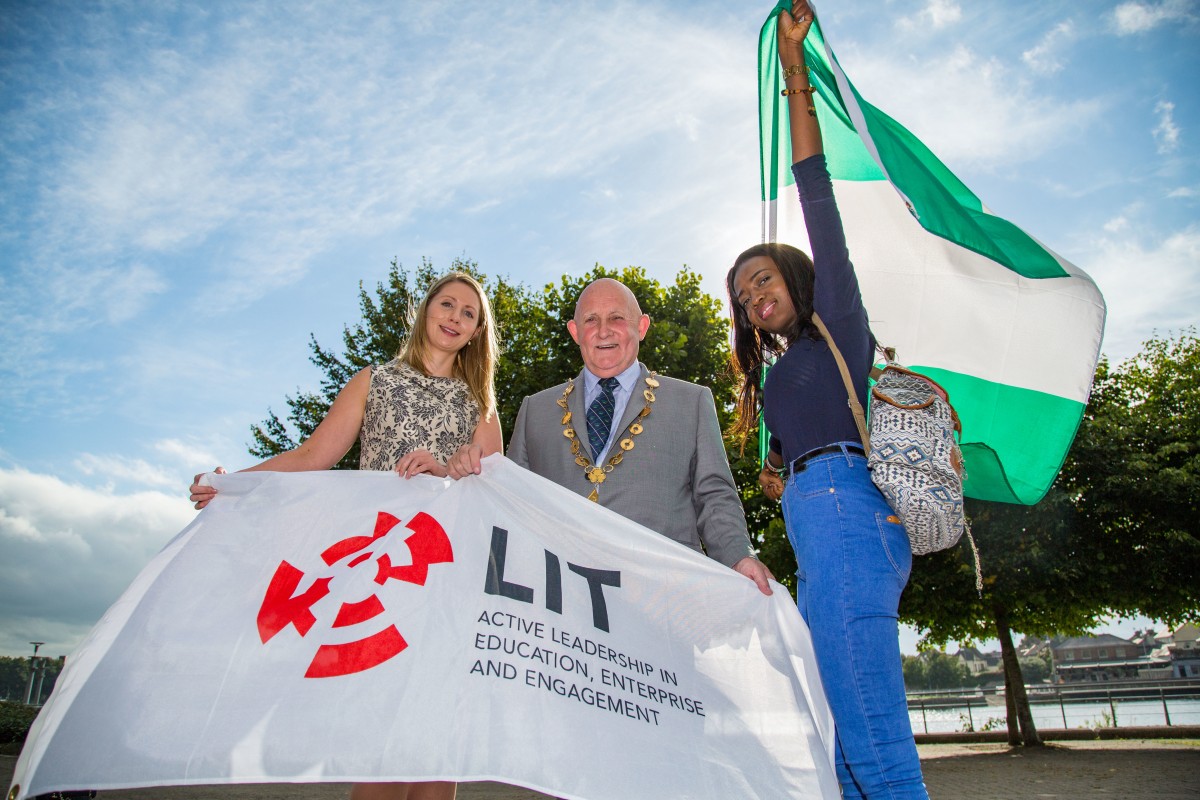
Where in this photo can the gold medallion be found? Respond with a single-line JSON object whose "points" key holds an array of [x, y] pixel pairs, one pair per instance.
{"points": [[595, 473]]}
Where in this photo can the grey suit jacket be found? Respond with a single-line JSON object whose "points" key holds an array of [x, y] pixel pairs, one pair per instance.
{"points": [[676, 479]]}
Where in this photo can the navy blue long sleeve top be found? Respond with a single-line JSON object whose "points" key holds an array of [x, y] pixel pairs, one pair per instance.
{"points": [[805, 404]]}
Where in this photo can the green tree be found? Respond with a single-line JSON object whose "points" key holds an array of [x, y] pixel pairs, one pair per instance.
{"points": [[688, 339], [933, 670], [14, 678], [1115, 535], [1135, 471], [1035, 669], [944, 671], [914, 673]]}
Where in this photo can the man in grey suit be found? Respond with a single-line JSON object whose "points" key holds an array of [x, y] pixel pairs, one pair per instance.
{"points": [[650, 449]]}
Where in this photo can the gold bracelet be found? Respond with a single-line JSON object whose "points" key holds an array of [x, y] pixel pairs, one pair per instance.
{"points": [[807, 90], [795, 69]]}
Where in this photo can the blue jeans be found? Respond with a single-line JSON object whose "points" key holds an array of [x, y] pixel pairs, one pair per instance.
{"points": [[853, 564]]}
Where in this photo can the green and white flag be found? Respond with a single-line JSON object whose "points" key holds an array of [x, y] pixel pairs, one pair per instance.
{"points": [[1008, 327]]}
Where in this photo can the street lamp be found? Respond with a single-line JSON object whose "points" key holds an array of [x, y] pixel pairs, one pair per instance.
{"points": [[33, 670]]}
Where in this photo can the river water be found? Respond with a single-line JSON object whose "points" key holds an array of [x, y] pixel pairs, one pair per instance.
{"points": [[1047, 716]]}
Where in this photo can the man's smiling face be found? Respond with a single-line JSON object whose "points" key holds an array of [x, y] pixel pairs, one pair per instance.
{"points": [[608, 327]]}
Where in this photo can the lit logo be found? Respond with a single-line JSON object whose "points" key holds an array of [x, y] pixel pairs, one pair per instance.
{"points": [[283, 605]]}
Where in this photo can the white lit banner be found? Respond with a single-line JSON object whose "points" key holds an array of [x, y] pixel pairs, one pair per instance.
{"points": [[354, 626]]}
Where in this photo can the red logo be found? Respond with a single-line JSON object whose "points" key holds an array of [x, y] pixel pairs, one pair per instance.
{"points": [[282, 606]]}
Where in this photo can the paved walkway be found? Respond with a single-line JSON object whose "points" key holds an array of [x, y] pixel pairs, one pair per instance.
{"points": [[1121, 769]]}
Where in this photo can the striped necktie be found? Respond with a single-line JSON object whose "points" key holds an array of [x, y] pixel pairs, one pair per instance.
{"points": [[600, 416]]}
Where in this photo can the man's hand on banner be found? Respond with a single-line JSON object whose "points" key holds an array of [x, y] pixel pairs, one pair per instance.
{"points": [[756, 571], [202, 493]]}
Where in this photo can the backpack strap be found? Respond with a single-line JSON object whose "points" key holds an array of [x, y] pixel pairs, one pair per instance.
{"points": [[860, 417]]}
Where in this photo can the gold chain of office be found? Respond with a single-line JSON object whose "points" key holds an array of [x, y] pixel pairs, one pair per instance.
{"points": [[596, 473]]}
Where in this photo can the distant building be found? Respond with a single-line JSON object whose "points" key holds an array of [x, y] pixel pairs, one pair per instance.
{"points": [[1147, 639], [1105, 657], [1146, 656], [1181, 649], [978, 662]]}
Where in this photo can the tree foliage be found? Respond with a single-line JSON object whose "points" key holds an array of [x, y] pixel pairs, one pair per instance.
{"points": [[1135, 471], [15, 721], [934, 670], [687, 340], [14, 678]]}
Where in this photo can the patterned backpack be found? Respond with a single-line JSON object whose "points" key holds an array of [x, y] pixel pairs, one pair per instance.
{"points": [[913, 453]]}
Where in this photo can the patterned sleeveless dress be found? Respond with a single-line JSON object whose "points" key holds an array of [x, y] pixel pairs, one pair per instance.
{"points": [[408, 410]]}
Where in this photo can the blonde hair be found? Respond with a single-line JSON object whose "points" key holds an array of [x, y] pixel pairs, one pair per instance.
{"points": [[474, 364]]}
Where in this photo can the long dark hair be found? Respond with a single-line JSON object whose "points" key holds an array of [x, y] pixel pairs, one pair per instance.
{"points": [[751, 346]]}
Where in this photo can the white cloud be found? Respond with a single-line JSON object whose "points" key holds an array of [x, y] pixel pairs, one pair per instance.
{"points": [[115, 468], [1138, 17], [290, 143], [118, 292], [1183, 192], [1149, 286], [1166, 132], [69, 551], [1046, 56], [1116, 224], [970, 110], [937, 14], [210, 183], [189, 454]]}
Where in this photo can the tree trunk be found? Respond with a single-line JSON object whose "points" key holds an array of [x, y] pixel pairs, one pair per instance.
{"points": [[1013, 681], [1010, 703]]}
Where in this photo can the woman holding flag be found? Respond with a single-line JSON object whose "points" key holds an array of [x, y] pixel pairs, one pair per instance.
{"points": [[852, 553], [414, 414]]}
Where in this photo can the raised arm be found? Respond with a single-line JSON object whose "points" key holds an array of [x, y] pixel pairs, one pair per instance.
{"points": [[792, 30], [324, 448]]}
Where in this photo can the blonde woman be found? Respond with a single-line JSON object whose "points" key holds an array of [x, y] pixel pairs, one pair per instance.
{"points": [[412, 414]]}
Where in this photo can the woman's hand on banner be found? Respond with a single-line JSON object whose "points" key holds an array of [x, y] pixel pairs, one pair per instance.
{"points": [[202, 494]]}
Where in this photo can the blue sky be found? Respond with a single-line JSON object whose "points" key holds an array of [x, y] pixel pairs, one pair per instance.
{"points": [[188, 190]]}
